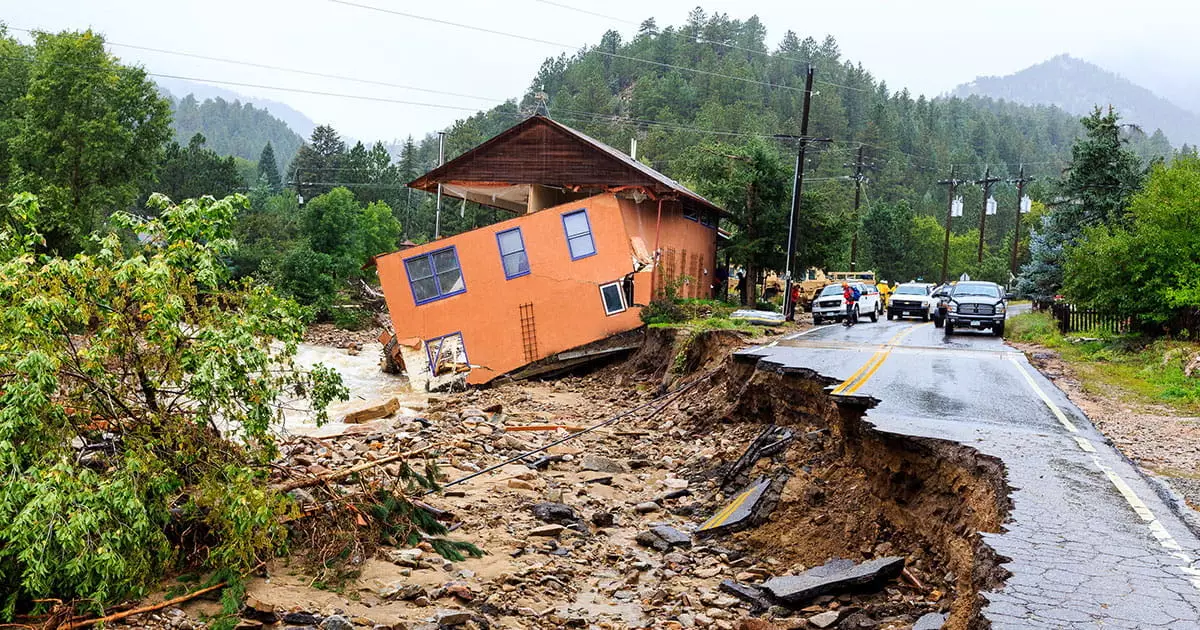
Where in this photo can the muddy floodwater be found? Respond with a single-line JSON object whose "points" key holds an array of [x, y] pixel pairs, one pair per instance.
{"points": [[361, 374]]}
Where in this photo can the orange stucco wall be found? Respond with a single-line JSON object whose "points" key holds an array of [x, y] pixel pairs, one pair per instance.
{"points": [[688, 248], [567, 308]]}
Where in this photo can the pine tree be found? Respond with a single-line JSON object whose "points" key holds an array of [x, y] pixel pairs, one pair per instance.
{"points": [[268, 169]]}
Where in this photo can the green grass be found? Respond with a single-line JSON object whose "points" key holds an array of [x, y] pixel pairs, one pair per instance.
{"points": [[1147, 371]]}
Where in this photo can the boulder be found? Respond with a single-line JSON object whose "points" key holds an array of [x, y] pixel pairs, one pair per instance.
{"points": [[834, 577]]}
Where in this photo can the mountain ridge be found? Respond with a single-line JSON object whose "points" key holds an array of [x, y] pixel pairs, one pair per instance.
{"points": [[1078, 86]]}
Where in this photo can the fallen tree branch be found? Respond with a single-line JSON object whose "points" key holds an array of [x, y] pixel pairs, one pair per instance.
{"points": [[144, 609], [342, 474]]}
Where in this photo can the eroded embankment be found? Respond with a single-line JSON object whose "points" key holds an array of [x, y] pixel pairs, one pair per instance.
{"points": [[857, 492]]}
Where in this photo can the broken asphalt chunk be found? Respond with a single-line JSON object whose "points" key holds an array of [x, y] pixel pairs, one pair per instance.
{"points": [[833, 577], [750, 594], [771, 441], [737, 513]]}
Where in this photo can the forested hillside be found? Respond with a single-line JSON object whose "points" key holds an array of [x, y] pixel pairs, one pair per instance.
{"points": [[1078, 86], [233, 128], [682, 95]]}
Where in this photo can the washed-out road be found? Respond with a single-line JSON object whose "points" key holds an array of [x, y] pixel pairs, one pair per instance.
{"points": [[1091, 541]]}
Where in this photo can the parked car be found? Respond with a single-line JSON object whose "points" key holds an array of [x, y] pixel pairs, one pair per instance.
{"points": [[829, 305], [976, 305], [912, 298]]}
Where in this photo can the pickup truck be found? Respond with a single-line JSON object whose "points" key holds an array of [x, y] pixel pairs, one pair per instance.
{"points": [[828, 304], [975, 305], [912, 298]]}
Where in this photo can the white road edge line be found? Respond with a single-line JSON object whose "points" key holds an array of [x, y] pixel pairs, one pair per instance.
{"points": [[1160, 533]]}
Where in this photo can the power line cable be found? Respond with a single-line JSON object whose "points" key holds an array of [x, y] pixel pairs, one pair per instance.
{"points": [[490, 31]]}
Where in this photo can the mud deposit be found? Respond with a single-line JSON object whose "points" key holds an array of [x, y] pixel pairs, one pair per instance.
{"points": [[850, 492]]}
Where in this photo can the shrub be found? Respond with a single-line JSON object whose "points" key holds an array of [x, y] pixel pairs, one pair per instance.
{"points": [[138, 387]]}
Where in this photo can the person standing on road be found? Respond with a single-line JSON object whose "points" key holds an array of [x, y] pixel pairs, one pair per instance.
{"points": [[884, 292], [850, 296]]}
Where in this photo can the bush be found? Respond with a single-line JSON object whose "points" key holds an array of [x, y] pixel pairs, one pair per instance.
{"points": [[1039, 328], [138, 389], [663, 310]]}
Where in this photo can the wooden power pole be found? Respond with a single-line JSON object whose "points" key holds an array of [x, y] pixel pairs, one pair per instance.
{"points": [[1020, 181], [859, 180], [953, 184], [986, 182], [797, 191]]}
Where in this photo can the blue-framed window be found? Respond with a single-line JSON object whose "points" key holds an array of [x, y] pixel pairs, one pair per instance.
{"points": [[512, 253], [447, 354], [708, 219], [690, 214], [579, 234], [435, 275]]}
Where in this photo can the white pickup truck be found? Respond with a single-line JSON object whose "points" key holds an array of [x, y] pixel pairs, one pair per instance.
{"points": [[912, 298], [829, 305]]}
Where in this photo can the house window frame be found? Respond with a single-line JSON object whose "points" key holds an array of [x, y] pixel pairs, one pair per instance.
{"points": [[590, 233], [524, 250], [437, 283], [433, 358], [616, 284]]}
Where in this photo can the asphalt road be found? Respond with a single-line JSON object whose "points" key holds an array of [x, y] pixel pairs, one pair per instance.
{"points": [[1092, 543]]}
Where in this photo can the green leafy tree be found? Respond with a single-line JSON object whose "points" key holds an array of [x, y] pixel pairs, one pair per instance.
{"points": [[1156, 251], [332, 226], [1103, 175], [151, 343], [87, 131], [887, 234], [750, 181], [268, 169], [319, 162]]}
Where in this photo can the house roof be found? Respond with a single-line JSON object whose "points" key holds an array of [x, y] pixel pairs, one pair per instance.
{"points": [[544, 152]]}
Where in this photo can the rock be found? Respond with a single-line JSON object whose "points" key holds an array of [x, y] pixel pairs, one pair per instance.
{"points": [[555, 513], [453, 617], [646, 507], [751, 594], [603, 519], [834, 577], [301, 619], [930, 621], [547, 530], [624, 595], [825, 619], [674, 483], [519, 484], [649, 539], [336, 622], [373, 412], [673, 537], [259, 610], [686, 620], [708, 572], [602, 464]]}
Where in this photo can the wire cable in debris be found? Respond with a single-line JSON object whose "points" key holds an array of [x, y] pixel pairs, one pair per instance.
{"points": [[662, 402]]}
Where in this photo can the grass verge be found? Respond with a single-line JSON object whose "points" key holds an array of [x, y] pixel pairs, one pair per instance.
{"points": [[1144, 370]]}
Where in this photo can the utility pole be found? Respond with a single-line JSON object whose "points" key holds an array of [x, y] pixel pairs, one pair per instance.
{"points": [[437, 217], [1020, 181], [986, 182], [953, 184], [859, 180], [797, 189]]}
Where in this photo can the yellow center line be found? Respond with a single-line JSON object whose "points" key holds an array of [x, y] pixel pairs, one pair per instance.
{"points": [[864, 373], [720, 517]]}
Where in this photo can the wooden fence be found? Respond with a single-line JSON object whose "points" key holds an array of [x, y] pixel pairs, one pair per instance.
{"points": [[1071, 319]]}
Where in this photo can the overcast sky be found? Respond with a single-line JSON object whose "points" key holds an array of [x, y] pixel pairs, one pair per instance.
{"points": [[928, 46]]}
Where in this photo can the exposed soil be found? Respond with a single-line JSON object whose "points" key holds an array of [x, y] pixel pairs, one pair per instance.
{"points": [[854, 493], [1161, 442], [330, 335]]}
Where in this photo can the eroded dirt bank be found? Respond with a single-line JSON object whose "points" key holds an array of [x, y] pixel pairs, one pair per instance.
{"points": [[850, 492]]}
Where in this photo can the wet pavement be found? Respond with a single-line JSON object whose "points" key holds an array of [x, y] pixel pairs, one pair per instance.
{"points": [[1091, 543]]}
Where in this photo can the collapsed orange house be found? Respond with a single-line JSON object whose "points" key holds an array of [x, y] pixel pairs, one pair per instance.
{"points": [[574, 266]]}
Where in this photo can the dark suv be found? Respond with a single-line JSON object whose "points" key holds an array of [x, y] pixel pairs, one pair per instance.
{"points": [[976, 305]]}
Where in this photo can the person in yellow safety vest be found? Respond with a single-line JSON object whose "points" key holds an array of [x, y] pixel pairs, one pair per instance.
{"points": [[884, 292]]}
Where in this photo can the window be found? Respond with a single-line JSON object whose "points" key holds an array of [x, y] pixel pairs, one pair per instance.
{"points": [[708, 219], [614, 300], [447, 355], [689, 213], [512, 253], [435, 275], [579, 234]]}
